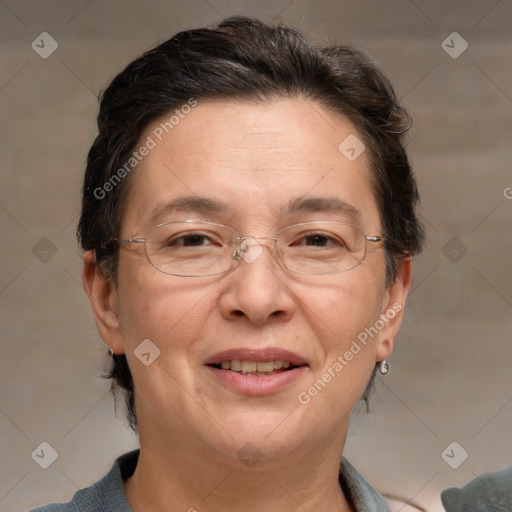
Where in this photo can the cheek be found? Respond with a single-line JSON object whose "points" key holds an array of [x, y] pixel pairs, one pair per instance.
{"points": [[173, 317], [161, 308], [346, 360], [347, 304], [341, 314]]}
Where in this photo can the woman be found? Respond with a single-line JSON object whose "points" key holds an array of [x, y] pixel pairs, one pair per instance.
{"points": [[248, 224]]}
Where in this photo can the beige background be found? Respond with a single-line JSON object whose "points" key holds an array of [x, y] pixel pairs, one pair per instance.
{"points": [[450, 376]]}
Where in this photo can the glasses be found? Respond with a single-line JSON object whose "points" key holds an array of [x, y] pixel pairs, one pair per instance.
{"points": [[194, 249]]}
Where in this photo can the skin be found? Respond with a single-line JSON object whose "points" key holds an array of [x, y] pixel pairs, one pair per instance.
{"points": [[255, 158]]}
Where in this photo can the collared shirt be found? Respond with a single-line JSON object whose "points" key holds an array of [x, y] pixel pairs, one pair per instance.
{"points": [[107, 495]]}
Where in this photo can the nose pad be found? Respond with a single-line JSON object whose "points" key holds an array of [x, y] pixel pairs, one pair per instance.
{"points": [[249, 250]]}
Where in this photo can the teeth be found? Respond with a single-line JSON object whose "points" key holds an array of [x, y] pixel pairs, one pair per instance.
{"points": [[253, 366], [249, 366], [236, 366], [265, 366]]}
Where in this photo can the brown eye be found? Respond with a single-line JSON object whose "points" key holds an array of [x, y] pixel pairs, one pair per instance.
{"points": [[193, 240], [318, 240]]}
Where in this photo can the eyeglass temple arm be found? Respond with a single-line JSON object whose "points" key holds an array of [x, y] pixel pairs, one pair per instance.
{"points": [[129, 240]]}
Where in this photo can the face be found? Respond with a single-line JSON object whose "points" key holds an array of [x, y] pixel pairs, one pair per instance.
{"points": [[256, 168]]}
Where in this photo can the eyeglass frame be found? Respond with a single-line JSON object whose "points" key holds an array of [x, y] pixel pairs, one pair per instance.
{"points": [[241, 239]]}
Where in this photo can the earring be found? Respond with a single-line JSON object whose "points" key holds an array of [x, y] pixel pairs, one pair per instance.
{"points": [[111, 352], [383, 367]]}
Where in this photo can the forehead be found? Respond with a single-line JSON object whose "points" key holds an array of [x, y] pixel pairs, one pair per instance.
{"points": [[250, 160]]}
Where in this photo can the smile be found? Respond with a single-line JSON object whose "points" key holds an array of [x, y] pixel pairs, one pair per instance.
{"points": [[251, 371], [255, 368]]}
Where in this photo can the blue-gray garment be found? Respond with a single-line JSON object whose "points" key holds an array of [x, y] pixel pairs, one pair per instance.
{"points": [[490, 492], [107, 495]]}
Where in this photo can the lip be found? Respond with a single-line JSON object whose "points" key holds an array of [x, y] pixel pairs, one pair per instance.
{"points": [[266, 354], [256, 385]]}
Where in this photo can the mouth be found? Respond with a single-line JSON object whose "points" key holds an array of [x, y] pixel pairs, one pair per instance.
{"points": [[255, 368], [256, 372]]}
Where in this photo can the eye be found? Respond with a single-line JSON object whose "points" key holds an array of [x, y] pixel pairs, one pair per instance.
{"points": [[317, 240], [192, 239]]}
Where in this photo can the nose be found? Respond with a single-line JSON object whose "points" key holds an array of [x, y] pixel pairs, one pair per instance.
{"points": [[256, 289]]}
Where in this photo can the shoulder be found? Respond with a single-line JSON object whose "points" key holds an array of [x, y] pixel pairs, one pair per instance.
{"points": [[490, 492], [58, 507], [105, 495], [362, 496]]}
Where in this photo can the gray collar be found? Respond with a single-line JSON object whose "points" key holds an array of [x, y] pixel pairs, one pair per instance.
{"points": [[107, 495]]}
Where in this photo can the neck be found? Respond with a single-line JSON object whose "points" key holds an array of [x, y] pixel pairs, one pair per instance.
{"points": [[179, 478]]}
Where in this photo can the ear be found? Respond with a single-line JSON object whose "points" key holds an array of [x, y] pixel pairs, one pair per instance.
{"points": [[102, 293], [393, 306]]}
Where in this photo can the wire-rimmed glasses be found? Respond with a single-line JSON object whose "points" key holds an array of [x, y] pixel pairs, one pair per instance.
{"points": [[194, 249]]}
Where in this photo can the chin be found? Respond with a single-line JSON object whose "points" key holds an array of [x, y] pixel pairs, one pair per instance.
{"points": [[263, 436]]}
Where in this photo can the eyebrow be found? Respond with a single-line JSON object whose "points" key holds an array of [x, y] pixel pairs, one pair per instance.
{"points": [[333, 205], [208, 205], [187, 204]]}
